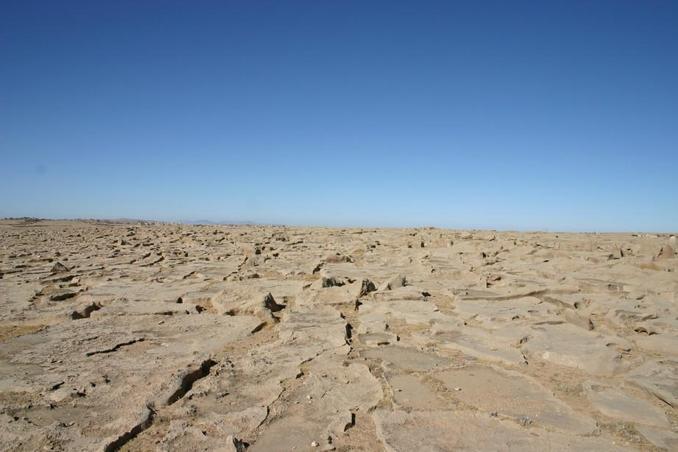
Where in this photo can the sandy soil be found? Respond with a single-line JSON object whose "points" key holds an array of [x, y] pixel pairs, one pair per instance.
{"points": [[169, 337]]}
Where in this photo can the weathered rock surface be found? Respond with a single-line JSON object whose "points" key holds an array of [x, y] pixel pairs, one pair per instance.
{"points": [[135, 336]]}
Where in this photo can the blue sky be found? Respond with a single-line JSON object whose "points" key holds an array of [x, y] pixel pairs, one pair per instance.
{"points": [[511, 115]]}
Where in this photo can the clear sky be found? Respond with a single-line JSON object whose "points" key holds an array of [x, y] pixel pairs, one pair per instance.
{"points": [[556, 115]]}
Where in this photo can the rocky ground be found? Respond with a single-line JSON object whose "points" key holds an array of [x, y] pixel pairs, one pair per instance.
{"points": [[169, 337]]}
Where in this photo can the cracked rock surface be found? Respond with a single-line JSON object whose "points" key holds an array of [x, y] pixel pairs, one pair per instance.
{"points": [[145, 336]]}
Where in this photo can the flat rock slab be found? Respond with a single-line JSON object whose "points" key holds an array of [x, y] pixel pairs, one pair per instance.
{"points": [[323, 406], [616, 404], [411, 392], [509, 394], [499, 345], [466, 430], [662, 438], [660, 377], [408, 358], [572, 346]]}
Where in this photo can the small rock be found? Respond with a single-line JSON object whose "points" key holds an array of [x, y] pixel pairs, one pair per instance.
{"points": [[331, 281], [270, 304], [666, 252], [60, 268], [338, 258], [62, 295], [394, 283], [525, 421], [366, 287], [233, 444], [618, 253]]}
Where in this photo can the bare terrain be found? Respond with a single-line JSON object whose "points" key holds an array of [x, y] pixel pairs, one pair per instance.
{"points": [[132, 336]]}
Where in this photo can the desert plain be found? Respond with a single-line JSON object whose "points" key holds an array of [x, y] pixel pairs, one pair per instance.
{"points": [[152, 336]]}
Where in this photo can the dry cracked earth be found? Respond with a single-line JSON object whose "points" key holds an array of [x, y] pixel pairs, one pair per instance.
{"points": [[138, 336]]}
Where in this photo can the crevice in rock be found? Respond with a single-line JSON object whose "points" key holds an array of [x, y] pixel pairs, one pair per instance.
{"points": [[190, 378], [115, 348], [349, 333], [258, 328], [146, 422], [533, 293], [158, 260]]}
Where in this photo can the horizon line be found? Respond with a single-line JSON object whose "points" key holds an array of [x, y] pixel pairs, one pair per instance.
{"points": [[204, 222]]}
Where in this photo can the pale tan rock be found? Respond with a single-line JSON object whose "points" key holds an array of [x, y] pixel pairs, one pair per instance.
{"points": [[467, 430], [614, 403], [172, 337], [509, 394], [666, 252]]}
